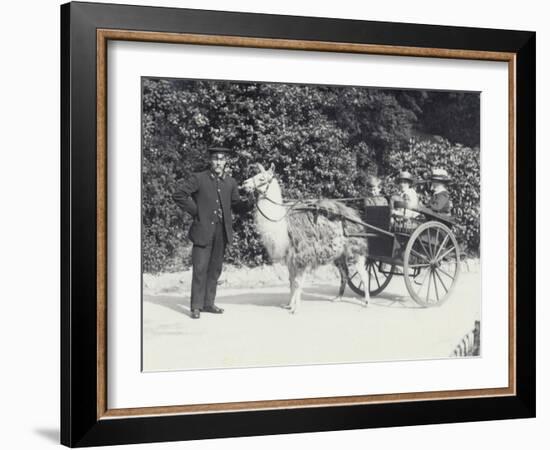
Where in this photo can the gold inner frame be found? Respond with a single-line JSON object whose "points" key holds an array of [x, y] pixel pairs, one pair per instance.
{"points": [[103, 36]]}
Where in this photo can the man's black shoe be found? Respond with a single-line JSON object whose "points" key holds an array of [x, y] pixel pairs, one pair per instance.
{"points": [[195, 313], [212, 309]]}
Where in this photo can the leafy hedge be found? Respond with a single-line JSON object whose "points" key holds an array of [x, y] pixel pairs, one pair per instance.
{"points": [[323, 140]]}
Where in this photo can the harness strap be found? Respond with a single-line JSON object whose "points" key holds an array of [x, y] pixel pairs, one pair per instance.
{"points": [[269, 218]]}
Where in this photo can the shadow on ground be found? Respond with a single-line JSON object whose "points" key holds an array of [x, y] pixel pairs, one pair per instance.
{"points": [[178, 304], [50, 434], [324, 293]]}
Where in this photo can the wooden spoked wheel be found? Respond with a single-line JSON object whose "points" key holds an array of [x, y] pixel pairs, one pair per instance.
{"points": [[379, 273], [431, 264]]}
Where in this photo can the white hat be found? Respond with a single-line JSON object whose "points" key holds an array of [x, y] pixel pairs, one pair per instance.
{"points": [[440, 175]]}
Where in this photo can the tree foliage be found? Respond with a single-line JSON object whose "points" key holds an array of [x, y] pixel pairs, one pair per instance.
{"points": [[323, 140], [453, 115]]}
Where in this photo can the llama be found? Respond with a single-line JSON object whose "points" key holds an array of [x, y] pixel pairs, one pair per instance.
{"points": [[306, 235]]}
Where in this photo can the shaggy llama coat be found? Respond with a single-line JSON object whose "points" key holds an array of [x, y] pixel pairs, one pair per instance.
{"points": [[308, 234]]}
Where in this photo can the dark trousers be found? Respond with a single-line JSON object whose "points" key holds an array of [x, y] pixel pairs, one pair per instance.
{"points": [[207, 267]]}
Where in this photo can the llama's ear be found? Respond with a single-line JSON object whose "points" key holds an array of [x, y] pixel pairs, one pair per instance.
{"points": [[261, 167], [272, 168]]}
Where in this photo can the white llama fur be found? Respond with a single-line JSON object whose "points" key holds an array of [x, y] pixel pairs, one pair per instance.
{"points": [[274, 234], [272, 221]]}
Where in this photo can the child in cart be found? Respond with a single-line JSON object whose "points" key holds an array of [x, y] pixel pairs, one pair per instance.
{"points": [[375, 197]]}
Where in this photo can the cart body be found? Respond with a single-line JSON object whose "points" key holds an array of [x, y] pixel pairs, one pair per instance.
{"points": [[423, 249]]}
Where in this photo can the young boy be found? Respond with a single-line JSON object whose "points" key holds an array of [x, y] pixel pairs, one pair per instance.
{"points": [[375, 197]]}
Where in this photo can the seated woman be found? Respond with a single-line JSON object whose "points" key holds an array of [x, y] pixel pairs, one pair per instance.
{"points": [[404, 202], [407, 193], [441, 200]]}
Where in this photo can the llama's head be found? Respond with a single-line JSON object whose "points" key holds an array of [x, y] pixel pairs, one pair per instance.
{"points": [[261, 181]]}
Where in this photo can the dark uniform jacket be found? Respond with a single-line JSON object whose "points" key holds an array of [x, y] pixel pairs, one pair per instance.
{"points": [[200, 196], [441, 203]]}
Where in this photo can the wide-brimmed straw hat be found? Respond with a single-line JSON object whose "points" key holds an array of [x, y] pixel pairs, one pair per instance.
{"points": [[440, 175]]}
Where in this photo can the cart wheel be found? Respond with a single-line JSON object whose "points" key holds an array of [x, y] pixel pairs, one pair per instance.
{"points": [[431, 264], [379, 276]]}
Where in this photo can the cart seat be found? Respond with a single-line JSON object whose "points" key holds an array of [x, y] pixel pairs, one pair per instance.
{"points": [[376, 215]]}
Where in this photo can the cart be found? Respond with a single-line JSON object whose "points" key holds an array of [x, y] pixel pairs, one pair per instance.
{"points": [[425, 253]]}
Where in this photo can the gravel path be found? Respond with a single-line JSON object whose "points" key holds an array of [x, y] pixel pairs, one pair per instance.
{"points": [[255, 331]]}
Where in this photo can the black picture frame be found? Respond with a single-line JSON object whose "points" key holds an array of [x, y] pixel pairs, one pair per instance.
{"points": [[81, 422]]}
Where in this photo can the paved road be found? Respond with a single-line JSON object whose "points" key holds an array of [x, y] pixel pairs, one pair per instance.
{"points": [[256, 331]]}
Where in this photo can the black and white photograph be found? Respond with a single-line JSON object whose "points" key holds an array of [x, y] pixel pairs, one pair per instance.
{"points": [[300, 224]]}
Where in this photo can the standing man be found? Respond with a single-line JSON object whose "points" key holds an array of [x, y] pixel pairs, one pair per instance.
{"points": [[208, 197]]}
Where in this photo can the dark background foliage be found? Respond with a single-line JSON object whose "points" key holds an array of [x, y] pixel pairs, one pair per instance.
{"points": [[323, 140]]}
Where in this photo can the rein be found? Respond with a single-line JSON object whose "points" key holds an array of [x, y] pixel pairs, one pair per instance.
{"points": [[293, 205], [269, 218]]}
